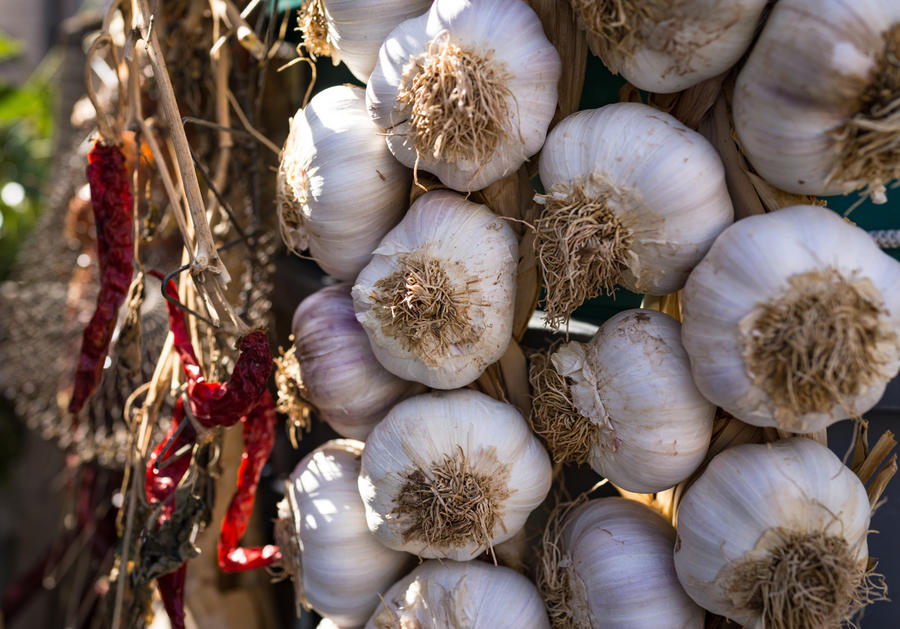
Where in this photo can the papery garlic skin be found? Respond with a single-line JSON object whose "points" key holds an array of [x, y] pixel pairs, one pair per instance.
{"points": [[616, 559], [439, 462], [507, 37], [747, 501], [772, 259], [470, 595], [659, 184], [447, 254], [633, 381], [340, 375], [808, 77], [667, 46], [355, 29], [339, 189], [341, 568]]}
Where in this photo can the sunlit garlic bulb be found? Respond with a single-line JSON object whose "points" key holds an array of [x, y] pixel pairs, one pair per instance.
{"points": [[624, 402], [339, 189], [792, 319], [633, 197], [609, 565], [467, 90], [337, 371], [774, 536], [451, 474], [437, 299], [817, 105], [352, 30], [470, 595], [337, 567], [669, 45]]}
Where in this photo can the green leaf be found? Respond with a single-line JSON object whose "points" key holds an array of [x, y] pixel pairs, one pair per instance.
{"points": [[9, 47]]}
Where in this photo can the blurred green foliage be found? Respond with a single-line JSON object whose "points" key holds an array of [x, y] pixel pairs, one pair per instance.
{"points": [[26, 127]]}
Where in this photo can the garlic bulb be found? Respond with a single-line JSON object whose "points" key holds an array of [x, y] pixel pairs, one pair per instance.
{"points": [[611, 567], [470, 595], [669, 45], [791, 320], [451, 474], [338, 373], [437, 299], [467, 90], [625, 403], [633, 198], [339, 190], [352, 30], [774, 535], [337, 566], [817, 105]]}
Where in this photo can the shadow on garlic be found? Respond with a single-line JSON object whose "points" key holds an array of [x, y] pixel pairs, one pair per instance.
{"points": [[466, 91], [337, 567], [634, 198], [437, 300], [817, 105], [335, 369], [792, 318], [666, 46], [608, 563], [624, 402], [449, 594], [451, 475], [352, 30], [339, 189], [774, 536]]}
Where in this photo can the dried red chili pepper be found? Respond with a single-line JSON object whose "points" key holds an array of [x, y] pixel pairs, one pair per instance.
{"points": [[259, 437], [112, 202], [215, 403], [171, 591], [164, 470]]}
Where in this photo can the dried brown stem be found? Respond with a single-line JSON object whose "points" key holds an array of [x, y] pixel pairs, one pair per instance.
{"points": [[581, 246], [568, 434], [817, 345], [807, 581], [422, 307], [290, 402], [313, 24], [869, 143], [457, 101], [450, 504], [207, 269], [559, 584], [615, 25]]}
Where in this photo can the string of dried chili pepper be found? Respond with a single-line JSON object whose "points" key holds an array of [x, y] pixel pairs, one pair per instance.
{"points": [[259, 437], [112, 202]]}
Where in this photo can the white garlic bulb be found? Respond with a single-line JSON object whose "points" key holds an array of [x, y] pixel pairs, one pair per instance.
{"points": [[467, 90], [352, 30], [633, 198], [337, 566], [338, 373], [669, 45], [774, 535], [817, 105], [451, 474], [339, 190], [438, 298], [470, 595], [625, 403], [791, 320], [612, 567]]}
